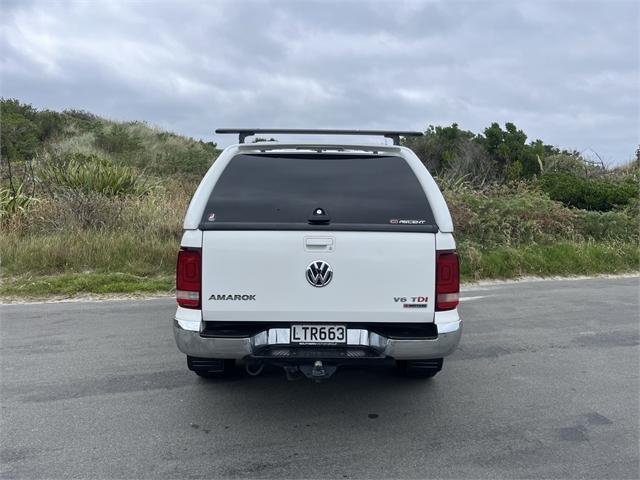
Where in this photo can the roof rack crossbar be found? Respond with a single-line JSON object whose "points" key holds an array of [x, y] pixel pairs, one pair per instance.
{"points": [[243, 133]]}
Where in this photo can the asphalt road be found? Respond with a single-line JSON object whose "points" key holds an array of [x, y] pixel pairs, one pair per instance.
{"points": [[544, 384]]}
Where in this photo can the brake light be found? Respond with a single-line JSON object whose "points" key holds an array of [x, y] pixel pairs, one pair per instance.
{"points": [[188, 278], [447, 280]]}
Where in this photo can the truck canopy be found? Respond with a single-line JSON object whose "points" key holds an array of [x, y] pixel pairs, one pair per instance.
{"points": [[281, 191]]}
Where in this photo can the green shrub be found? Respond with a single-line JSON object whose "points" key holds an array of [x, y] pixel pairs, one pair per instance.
{"points": [[569, 163], [50, 124], [84, 121], [19, 131], [505, 215], [117, 139], [14, 203], [91, 173], [520, 215], [187, 161], [614, 225], [588, 193]]}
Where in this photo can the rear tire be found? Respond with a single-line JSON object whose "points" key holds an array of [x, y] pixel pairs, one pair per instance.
{"points": [[211, 367], [419, 368]]}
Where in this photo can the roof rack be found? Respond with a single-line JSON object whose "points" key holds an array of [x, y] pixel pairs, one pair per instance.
{"points": [[243, 133]]}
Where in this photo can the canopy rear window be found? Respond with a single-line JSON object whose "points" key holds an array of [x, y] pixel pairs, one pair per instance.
{"points": [[280, 192]]}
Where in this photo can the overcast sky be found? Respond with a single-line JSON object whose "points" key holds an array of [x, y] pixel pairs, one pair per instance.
{"points": [[565, 72]]}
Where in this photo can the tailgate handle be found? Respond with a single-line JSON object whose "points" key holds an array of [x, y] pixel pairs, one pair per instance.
{"points": [[318, 243]]}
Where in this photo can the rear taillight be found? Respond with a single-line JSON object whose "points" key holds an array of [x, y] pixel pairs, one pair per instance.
{"points": [[188, 278], [447, 280]]}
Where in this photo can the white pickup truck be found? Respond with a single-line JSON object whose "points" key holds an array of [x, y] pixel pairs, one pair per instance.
{"points": [[313, 256]]}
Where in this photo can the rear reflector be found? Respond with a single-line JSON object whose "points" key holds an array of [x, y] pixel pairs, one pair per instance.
{"points": [[188, 278], [447, 280]]}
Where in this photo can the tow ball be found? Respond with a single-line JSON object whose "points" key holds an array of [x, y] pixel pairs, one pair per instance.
{"points": [[318, 371]]}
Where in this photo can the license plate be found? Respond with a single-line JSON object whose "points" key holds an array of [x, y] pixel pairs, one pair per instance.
{"points": [[314, 334]]}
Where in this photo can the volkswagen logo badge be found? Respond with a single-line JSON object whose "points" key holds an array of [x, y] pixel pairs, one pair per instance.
{"points": [[319, 273]]}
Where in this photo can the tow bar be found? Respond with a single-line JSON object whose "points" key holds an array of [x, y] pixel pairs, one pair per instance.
{"points": [[318, 372]]}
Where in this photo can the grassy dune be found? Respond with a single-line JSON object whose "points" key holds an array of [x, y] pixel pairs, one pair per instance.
{"points": [[88, 205]]}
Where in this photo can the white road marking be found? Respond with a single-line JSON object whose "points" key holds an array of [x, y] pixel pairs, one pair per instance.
{"points": [[477, 297], [494, 284]]}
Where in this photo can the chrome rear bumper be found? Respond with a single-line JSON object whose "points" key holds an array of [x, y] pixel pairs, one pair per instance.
{"points": [[191, 343]]}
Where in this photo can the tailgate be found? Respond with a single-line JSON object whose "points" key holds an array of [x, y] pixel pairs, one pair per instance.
{"points": [[259, 276]]}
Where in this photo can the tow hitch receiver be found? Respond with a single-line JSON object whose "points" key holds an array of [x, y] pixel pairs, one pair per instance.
{"points": [[318, 371]]}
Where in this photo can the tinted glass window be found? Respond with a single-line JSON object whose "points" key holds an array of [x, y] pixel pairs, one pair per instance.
{"points": [[357, 192]]}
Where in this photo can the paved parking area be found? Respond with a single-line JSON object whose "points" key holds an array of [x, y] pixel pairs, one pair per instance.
{"points": [[544, 384]]}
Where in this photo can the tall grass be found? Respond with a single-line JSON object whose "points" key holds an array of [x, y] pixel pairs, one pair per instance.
{"points": [[561, 258], [86, 250]]}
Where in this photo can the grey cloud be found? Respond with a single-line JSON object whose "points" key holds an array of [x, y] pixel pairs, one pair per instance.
{"points": [[566, 72]]}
